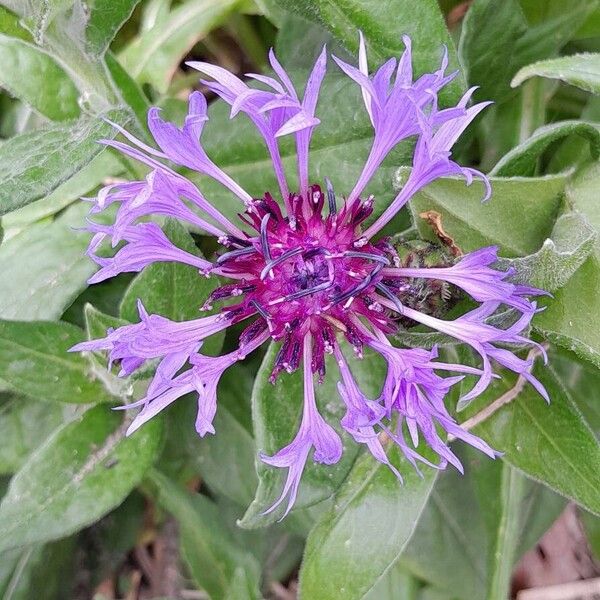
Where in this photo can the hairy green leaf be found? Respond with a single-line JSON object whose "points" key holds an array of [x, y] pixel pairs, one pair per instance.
{"points": [[19, 438], [373, 516], [89, 177], [570, 243], [474, 224], [44, 267], [34, 77], [78, 475], [34, 164], [35, 361], [571, 318], [581, 70], [523, 159]]}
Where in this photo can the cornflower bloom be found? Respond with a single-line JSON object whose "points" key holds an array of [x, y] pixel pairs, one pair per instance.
{"points": [[305, 272]]}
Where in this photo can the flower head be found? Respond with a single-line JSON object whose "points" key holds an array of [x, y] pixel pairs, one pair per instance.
{"points": [[304, 271]]}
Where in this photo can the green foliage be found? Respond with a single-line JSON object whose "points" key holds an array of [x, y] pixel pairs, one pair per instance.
{"points": [[44, 267], [156, 53], [34, 76], [560, 435], [426, 27], [72, 485], [370, 500], [35, 361], [85, 469], [474, 529], [582, 70], [34, 164]]}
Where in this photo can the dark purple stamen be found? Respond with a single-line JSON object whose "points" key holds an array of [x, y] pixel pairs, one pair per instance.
{"points": [[260, 310], [235, 254], [367, 256], [227, 291], [330, 196], [269, 266], [315, 252], [313, 290], [354, 291], [251, 332], [390, 295], [232, 240], [263, 236]]}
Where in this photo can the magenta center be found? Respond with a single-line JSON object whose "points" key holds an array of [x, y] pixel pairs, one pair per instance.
{"points": [[309, 271]]}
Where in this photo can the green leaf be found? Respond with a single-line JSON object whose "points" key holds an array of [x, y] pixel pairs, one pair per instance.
{"points": [[571, 318], [570, 243], [155, 54], [396, 583], [44, 268], [34, 77], [299, 42], [512, 491], [104, 19], [460, 543], [510, 123], [35, 361], [583, 382], [344, 18], [591, 27], [276, 411], [488, 36], [92, 24], [550, 33], [34, 164], [77, 34], [9, 25], [27, 571], [372, 520], [224, 461], [523, 160], [216, 563], [474, 224], [19, 438], [79, 474], [276, 549], [581, 70], [97, 322], [92, 175], [546, 443], [131, 93]]}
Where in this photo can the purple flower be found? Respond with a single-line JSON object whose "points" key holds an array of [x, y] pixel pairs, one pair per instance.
{"points": [[307, 274]]}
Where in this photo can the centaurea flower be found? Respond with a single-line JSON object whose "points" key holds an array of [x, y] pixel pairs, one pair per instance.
{"points": [[305, 273]]}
